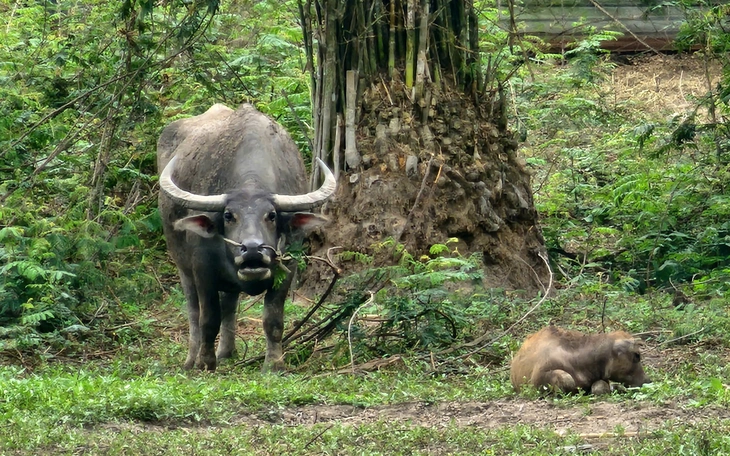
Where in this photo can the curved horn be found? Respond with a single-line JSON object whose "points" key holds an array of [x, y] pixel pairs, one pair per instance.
{"points": [[207, 203], [311, 199]]}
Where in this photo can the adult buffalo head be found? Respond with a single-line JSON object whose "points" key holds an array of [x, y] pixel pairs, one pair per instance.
{"points": [[253, 223]]}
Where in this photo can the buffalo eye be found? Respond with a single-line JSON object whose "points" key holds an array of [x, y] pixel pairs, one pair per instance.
{"points": [[637, 357], [271, 216], [228, 216]]}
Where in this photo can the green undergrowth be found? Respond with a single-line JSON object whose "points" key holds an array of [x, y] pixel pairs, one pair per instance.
{"points": [[138, 393]]}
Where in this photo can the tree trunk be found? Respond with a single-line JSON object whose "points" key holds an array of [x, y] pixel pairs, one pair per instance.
{"points": [[435, 159]]}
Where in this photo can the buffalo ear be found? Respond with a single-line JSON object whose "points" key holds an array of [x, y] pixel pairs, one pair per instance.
{"points": [[623, 346], [199, 224], [305, 221]]}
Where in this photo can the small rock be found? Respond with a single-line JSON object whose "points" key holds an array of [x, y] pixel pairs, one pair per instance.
{"points": [[394, 125], [411, 165]]}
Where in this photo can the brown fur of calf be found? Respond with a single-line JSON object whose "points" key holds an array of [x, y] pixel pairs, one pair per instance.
{"points": [[561, 360]]}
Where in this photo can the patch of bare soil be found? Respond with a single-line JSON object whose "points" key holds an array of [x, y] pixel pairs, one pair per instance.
{"points": [[664, 84], [594, 419]]}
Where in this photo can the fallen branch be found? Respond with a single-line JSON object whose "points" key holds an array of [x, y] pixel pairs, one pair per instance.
{"points": [[318, 436], [322, 299], [372, 365], [682, 337]]}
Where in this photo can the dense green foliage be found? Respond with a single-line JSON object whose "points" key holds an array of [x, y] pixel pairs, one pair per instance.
{"points": [[626, 193], [85, 90]]}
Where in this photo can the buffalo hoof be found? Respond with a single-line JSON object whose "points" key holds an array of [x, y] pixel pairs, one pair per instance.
{"points": [[276, 367], [561, 381], [207, 363], [225, 356], [618, 388], [600, 387]]}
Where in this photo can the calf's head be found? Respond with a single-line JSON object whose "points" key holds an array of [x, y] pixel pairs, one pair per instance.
{"points": [[624, 364]]}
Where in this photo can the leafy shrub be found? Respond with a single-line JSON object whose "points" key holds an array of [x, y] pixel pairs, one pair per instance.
{"points": [[423, 304]]}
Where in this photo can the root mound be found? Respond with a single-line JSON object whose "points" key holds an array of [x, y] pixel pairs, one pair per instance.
{"points": [[437, 170]]}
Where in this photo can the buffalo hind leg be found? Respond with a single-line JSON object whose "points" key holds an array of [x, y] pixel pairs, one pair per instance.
{"points": [[274, 323], [191, 299], [556, 380], [227, 342]]}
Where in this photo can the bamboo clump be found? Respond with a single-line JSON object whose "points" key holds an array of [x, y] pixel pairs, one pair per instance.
{"points": [[358, 43]]}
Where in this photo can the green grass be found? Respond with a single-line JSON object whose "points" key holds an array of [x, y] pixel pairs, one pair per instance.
{"points": [[386, 438], [104, 409], [139, 401], [377, 438]]}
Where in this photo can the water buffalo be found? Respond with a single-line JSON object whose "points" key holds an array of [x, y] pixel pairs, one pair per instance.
{"points": [[556, 359], [233, 188]]}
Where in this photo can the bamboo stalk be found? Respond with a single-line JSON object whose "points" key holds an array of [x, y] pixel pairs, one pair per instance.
{"points": [[377, 30], [306, 20], [461, 45], [337, 150], [330, 79], [370, 48], [391, 44], [410, 41], [422, 64], [352, 156], [473, 61], [449, 42], [317, 106], [327, 95]]}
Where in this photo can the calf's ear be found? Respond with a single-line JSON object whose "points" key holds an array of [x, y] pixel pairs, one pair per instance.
{"points": [[199, 224], [304, 221], [623, 346]]}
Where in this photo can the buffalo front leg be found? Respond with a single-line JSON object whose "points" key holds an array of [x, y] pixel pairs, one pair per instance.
{"points": [[600, 387], [191, 299], [556, 380], [210, 322], [227, 343], [274, 324]]}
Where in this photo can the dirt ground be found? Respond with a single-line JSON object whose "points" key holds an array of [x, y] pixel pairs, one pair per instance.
{"points": [[663, 84], [598, 419]]}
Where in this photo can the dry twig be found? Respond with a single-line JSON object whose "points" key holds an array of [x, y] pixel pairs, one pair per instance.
{"points": [[349, 328]]}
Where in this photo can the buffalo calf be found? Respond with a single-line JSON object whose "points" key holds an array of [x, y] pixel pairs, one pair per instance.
{"points": [[560, 360]]}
